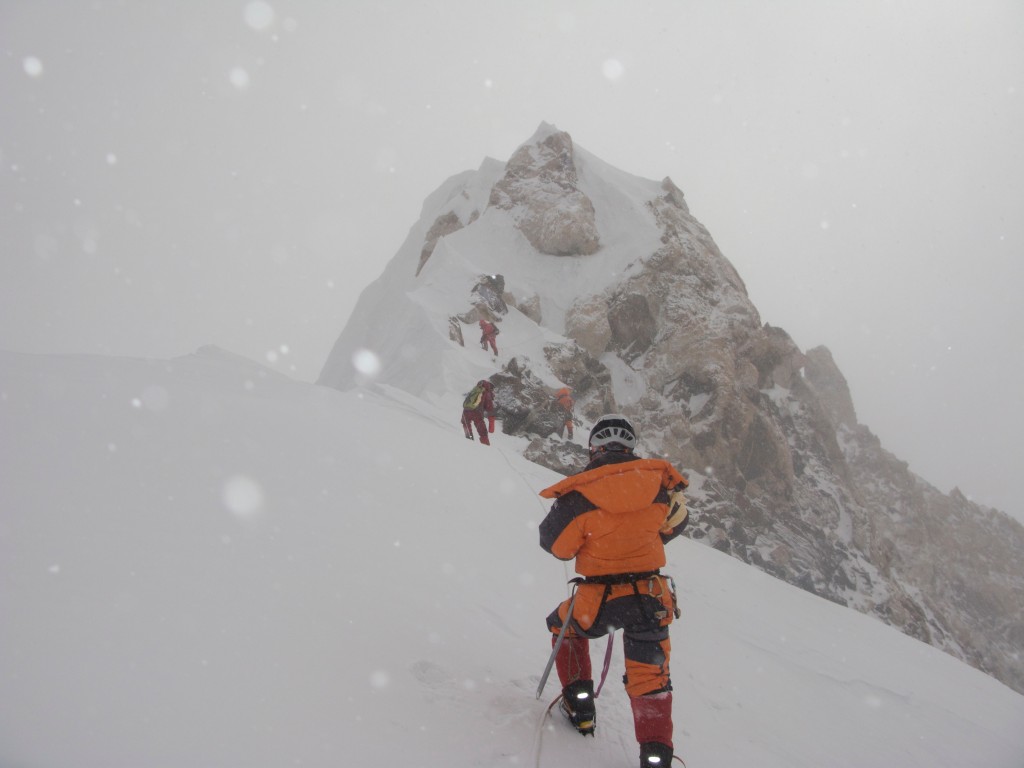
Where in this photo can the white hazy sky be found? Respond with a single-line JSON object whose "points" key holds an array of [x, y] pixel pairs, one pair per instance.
{"points": [[174, 174]]}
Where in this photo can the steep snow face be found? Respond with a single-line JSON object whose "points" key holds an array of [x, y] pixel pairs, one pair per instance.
{"points": [[610, 286], [205, 563]]}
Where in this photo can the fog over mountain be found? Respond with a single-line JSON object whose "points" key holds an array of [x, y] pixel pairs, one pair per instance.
{"points": [[179, 173]]}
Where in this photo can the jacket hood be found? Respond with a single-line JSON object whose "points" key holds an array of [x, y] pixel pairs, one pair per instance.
{"points": [[621, 487]]}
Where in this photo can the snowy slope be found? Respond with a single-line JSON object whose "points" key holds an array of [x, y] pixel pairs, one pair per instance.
{"points": [[203, 563]]}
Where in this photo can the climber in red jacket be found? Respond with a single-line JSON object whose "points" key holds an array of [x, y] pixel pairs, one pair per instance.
{"points": [[488, 335], [478, 403]]}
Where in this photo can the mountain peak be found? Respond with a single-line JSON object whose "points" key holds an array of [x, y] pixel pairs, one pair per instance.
{"points": [[544, 130], [604, 282], [540, 190]]}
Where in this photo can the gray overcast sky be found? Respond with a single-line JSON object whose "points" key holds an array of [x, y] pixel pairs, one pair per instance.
{"points": [[176, 173]]}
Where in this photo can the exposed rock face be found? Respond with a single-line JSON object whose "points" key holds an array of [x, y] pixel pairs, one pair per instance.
{"points": [[566, 458], [785, 478], [782, 475], [631, 323], [957, 564], [588, 324], [455, 331], [830, 386], [674, 195], [540, 187], [523, 403], [589, 379], [488, 296], [443, 225], [529, 306], [789, 481], [526, 406]]}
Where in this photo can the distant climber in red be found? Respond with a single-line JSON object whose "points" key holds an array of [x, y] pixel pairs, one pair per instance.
{"points": [[488, 335]]}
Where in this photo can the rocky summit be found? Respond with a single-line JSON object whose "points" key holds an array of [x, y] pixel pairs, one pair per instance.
{"points": [[605, 283]]}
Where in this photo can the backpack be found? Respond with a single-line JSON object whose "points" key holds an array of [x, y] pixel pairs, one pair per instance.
{"points": [[474, 398]]}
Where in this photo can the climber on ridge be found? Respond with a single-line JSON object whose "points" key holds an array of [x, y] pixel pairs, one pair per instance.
{"points": [[478, 403], [488, 335]]}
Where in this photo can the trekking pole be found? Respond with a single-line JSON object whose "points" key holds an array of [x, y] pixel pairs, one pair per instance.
{"points": [[557, 645], [607, 663]]}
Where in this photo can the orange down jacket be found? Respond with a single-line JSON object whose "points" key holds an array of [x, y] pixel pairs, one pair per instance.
{"points": [[611, 517], [564, 398]]}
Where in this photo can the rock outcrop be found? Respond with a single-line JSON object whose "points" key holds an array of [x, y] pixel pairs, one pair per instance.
{"points": [[540, 189]]}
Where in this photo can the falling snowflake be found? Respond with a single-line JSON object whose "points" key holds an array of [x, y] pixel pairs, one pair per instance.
{"points": [[33, 67], [239, 78], [242, 495], [259, 15], [366, 362], [613, 70]]}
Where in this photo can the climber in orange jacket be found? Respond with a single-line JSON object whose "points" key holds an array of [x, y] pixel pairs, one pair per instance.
{"points": [[614, 519], [563, 398], [479, 402]]}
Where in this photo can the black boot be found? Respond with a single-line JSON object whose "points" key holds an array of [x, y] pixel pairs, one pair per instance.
{"points": [[578, 706], [654, 753]]}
